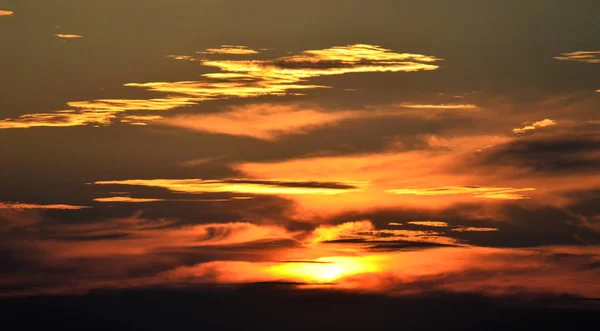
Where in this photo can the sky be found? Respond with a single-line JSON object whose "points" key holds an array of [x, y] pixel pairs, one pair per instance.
{"points": [[383, 147]]}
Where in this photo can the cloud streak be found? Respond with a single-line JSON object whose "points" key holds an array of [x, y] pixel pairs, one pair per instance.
{"points": [[63, 118], [536, 125], [580, 56], [6, 13], [247, 186], [230, 50], [505, 193], [26, 206]]}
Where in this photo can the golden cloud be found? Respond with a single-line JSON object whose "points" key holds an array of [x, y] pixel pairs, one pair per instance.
{"points": [[182, 57], [245, 186], [476, 191], [25, 206], [63, 118], [230, 49], [442, 106], [435, 224], [539, 124], [581, 56], [6, 12], [120, 105], [127, 200], [253, 78], [268, 122], [474, 229], [68, 36]]}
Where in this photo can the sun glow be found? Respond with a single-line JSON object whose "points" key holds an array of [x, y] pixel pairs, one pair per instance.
{"points": [[325, 269]]}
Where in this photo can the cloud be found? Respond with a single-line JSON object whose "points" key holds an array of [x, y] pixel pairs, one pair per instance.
{"points": [[63, 118], [474, 229], [280, 76], [574, 153], [476, 191], [435, 224], [268, 122], [581, 56], [364, 232], [121, 105], [230, 49], [539, 124], [247, 78], [127, 200], [25, 206], [68, 36], [442, 106], [182, 57], [247, 186], [6, 12]]}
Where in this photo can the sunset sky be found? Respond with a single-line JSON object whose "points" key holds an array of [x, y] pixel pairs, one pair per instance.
{"points": [[382, 147]]}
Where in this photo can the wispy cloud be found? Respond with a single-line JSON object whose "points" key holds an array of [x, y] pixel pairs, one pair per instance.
{"points": [[533, 126], [269, 122], [435, 224], [580, 56], [230, 49], [6, 12], [505, 193], [127, 200], [24, 206], [68, 36], [246, 186], [182, 57], [63, 118], [474, 229], [244, 79], [441, 106]]}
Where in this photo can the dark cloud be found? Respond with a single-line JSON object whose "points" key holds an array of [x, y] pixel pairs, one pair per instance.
{"points": [[563, 153]]}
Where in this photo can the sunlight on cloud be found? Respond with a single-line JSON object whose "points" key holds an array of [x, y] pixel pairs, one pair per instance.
{"points": [[6, 12], [63, 118], [474, 229], [539, 124], [442, 106], [243, 186], [286, 75], [476, 191], [127, 200], [121, 105], [68, 36], [435, 224], [24, 206], [581, 56], [230, 49], [268, 122]]}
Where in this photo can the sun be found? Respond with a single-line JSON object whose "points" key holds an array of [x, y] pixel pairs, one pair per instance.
{"points": [[324, 270]]}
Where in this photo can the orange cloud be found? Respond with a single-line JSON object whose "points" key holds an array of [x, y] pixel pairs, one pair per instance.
{"points": [[127, 200], [68, 36], [120, 105], [230, 49], [443, 106], [243, 186], [581, 56], [6, 12], [435, 224], [539, 124], [476, 191], [25, 206], [268, 122], [253, 78], [182, 57], [63, 118], [474, 229]]}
